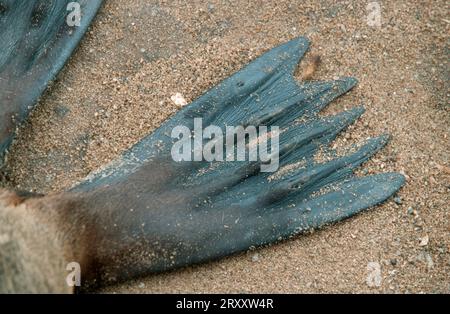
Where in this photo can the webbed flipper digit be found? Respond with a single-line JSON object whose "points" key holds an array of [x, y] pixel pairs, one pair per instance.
{"points": [[146, 212], [36, 42]]}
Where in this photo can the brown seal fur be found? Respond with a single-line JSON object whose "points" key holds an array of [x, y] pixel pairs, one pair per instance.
{"points": [[37, 243]]}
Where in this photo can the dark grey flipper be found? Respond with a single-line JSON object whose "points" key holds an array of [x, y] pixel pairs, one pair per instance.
{"points": [[35, 43], [153, 214]]}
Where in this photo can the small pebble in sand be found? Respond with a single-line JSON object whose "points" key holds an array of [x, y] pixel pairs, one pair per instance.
{"points": [[4, 238], [429, 260], [424, 241], [398, 200], [255, 257], [426, 258], [178, 100]]}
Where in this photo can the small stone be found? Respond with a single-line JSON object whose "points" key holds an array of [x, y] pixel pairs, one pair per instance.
{"points": [[142, 285], [429, 261], [426, 258], [255, 257], [410, 210], [178, 100], [398, 200], [61, 111], [4, 238], [393, 261], [424, 241]]}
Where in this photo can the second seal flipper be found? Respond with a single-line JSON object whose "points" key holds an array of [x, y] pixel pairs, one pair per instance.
{"points": [[36, 41]]}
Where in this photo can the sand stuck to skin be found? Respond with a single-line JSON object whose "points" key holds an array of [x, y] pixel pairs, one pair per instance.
{"points": [[117, 88]]}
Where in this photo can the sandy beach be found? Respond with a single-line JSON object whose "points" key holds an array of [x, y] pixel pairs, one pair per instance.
{"points": [[117, 88]]}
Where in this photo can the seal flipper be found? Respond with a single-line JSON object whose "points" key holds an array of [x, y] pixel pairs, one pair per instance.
{"points": [[36, 43], [155, 214], [147, 213]]}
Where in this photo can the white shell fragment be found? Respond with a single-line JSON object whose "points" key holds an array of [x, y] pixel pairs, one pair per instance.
{"points": [[178, 100]]}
